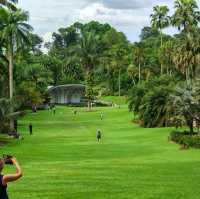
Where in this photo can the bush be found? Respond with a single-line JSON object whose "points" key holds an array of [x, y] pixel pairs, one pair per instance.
{"points": [[191, 141], [186, 139], [176, 136], [151, 101]]}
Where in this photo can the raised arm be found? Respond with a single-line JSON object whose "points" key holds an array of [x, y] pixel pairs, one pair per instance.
{"points": [[13, 177]]}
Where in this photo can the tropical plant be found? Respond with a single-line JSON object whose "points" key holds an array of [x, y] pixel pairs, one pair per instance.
{"points": [[28, 95], [139, 57], [186, 15], [132, 71], [160, 20], [186, 55], [15, 33], [6, 114], [186, 102], [87, 52], [151, 101], [166, 54]]}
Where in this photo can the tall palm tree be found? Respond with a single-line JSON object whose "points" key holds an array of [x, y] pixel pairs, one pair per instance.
{"points": [[15, 33], [166, 55], [186, 15], [132, 72], [160, 20], [118, 57], [186, 56], [87, 52], [139, 57]]}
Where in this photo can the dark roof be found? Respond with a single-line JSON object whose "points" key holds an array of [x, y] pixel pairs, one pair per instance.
{"points": [[67, 86]]}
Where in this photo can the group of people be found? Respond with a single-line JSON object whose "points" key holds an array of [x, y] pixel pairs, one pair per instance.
{"points": [[5, 179]]}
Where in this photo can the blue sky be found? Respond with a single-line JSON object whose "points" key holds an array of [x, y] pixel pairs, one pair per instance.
{"points": [[129, 16]]}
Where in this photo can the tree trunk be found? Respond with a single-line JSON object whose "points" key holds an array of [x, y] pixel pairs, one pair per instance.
{"points": [[187, 76], [119, 83], [139, 73], [161, 44], [191, 127], [10, 60]]}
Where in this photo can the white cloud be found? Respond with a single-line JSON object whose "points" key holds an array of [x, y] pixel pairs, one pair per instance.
{"points": [[116, 17], [126, 15], [47, 37]]}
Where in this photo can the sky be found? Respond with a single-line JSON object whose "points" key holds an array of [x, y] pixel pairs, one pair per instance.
{"points": [[128, 16]]}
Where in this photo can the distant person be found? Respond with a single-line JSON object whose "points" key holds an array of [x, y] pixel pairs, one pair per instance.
{"points": [[99, 135], [54, 110], [101, 116], [5, 179], [30, 129], [75, 112]]}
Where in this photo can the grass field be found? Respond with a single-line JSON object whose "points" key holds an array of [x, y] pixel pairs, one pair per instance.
{"points": [[63, 160], [115, 99]]}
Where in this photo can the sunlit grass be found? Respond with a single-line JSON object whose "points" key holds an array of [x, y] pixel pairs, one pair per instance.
{"points": [[62, 160]]}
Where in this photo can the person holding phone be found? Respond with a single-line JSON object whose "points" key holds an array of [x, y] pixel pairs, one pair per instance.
{"points": [[5, 179]]}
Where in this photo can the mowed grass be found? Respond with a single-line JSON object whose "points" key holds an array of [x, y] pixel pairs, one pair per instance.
{"points": [[62, 160], [115, 99]]}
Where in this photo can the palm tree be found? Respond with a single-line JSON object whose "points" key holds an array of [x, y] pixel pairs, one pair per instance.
{"points": [[186, 55], [15, 33], [160, 20], [87, 52], [9, 4], [186, 15], [139, 57], [132, 72], [166, 55]]}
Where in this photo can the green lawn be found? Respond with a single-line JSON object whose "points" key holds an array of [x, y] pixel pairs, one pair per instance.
{"points": [[62, 160], [115, 99]]}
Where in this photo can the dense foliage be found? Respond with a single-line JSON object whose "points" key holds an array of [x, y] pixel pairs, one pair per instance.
{"points": [[172, 99]]}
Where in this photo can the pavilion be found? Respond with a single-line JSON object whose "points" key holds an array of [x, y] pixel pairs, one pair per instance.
{"points": [[67, 94]]}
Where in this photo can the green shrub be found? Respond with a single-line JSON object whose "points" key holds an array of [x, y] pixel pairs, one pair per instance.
{"points": [[176, 136], [191, 141], [186, 139], [151, 101]]}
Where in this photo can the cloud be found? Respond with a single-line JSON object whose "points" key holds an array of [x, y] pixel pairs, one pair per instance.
{"points": [[47, 37], [128, 16], [122, 4], [116, 17]]}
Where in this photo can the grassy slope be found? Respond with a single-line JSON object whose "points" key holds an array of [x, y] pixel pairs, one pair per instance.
{"points": [[115, 99], [62, 160]]}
